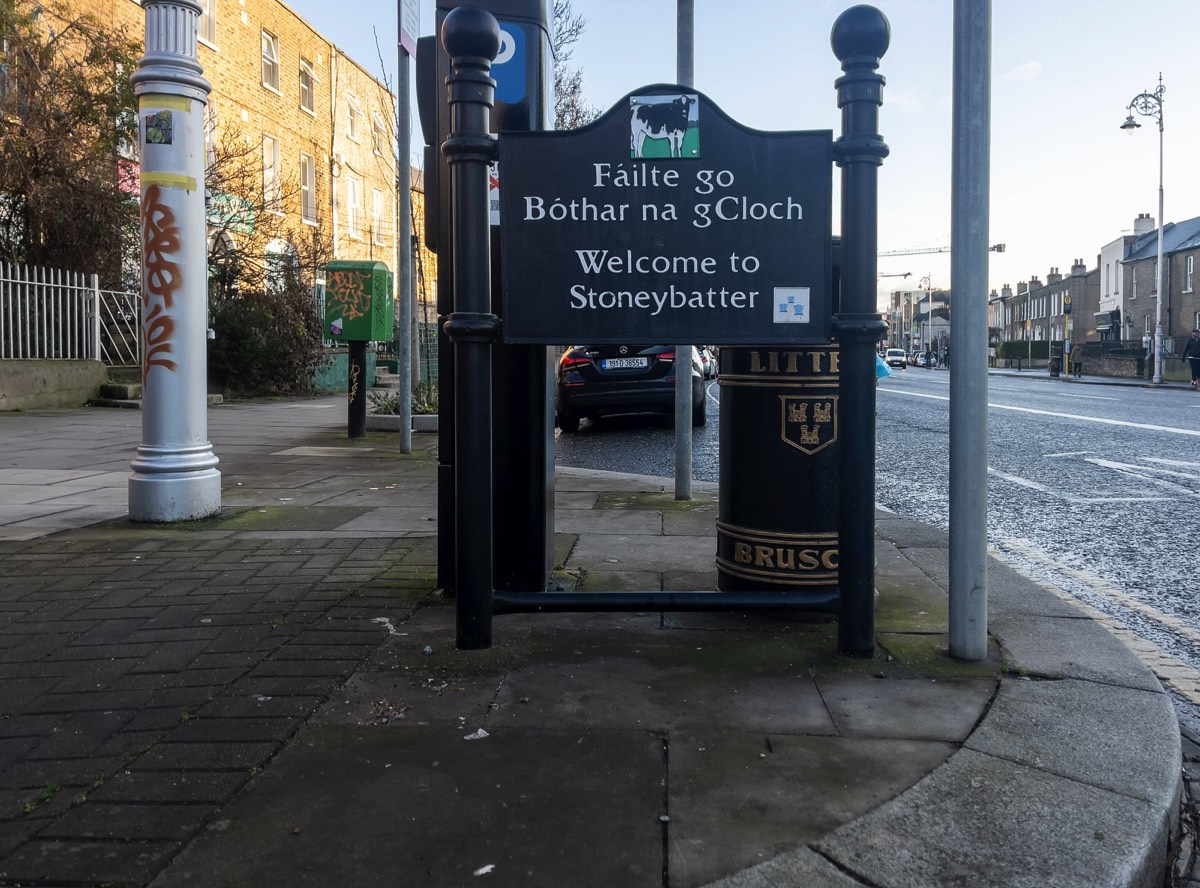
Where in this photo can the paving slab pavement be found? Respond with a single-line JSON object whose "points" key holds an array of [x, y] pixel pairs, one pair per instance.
{"points": [[272, 696]]}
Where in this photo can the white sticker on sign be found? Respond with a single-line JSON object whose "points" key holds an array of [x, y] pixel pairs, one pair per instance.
{"points": [[494, 193], [791, 305]]}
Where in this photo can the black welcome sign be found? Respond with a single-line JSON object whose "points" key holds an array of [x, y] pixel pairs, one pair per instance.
{"points": [[666, 221]]}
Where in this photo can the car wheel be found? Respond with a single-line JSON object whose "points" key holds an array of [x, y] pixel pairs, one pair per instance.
{"points": [[699, 406], [568, 422]]}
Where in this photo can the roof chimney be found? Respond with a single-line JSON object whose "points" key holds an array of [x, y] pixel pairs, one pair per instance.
{"points": [[1078, 268], [1143, 224], [1053, 277], [1006, 292]]}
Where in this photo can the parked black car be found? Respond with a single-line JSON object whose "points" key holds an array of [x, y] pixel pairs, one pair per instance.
{"points": [[602, 380]]}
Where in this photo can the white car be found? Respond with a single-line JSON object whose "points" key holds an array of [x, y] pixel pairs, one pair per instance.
{"points": [[895, 357]]}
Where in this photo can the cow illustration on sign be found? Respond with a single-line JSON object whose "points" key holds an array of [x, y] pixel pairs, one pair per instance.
{"points": [[663, 118]]}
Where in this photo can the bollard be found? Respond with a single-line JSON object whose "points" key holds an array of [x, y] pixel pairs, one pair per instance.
{"points": [[471, 37], [175, 475], [860, 37]]}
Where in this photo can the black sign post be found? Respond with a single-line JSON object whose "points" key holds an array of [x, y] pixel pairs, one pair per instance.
{"points": [[472, 39], [860, 37], [666, 221]]}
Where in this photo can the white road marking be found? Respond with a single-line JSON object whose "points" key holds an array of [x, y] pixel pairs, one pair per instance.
{"points": [[1171, 462], [708, 393], [1025, 482], [1068, 453], [1116, 422], [1141, 473], [1071, 498]]}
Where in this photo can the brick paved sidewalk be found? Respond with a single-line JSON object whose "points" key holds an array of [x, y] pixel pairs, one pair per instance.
{"points": [[150, 672]]}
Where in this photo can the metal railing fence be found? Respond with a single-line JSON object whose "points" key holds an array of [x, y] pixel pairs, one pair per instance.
{"points": [[53, 314]]}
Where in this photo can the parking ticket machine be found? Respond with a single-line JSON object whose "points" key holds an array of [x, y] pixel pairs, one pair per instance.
{"points": [[522, 391]]}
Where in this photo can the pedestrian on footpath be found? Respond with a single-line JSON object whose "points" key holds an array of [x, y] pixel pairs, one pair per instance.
{"points": [[1191, 354], [1077, 360]]}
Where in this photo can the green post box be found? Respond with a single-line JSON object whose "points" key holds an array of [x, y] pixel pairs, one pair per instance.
{"points": [[358, 301], [358, 310]]}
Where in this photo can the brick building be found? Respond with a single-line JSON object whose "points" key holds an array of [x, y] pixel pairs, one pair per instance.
{"points": [[324, 123]]}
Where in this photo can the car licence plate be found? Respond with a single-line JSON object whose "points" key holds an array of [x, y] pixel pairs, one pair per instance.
{"points": [[624, 363]]}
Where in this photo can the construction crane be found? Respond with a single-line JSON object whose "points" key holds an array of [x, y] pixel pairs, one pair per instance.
{"points": [[918, 251]]}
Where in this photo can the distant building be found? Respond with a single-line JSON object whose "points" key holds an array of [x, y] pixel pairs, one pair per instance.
{"points": [[324, 124], [1181, 305]]}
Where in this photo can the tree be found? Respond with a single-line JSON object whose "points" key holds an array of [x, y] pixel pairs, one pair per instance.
{"points": [[262, 271], [68, 136], [570, 110]]}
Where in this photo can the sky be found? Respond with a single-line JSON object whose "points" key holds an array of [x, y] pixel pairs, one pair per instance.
{"points": [[1065, 180]]}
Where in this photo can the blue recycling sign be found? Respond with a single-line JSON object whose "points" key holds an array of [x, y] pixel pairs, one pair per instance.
{"points": [[509, 67]]}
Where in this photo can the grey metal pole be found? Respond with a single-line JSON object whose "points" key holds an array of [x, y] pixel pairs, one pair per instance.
{"points": [[1158, 273], [968, 373], [403, 334], [175, 475], [684, 66]]}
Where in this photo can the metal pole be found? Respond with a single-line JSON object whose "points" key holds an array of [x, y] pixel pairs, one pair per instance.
{"points": [[403, 348], [472, 40], [356, 406], [95, 320], [1158, 273], [175, 475], [860, 37], [968, 374], [684, 65]]}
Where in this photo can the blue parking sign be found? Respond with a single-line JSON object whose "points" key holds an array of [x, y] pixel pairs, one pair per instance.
{"points": [[509, 67]]}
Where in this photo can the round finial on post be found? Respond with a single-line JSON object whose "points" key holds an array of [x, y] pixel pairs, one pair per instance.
{"points": [[470, 31], [860, 31]]}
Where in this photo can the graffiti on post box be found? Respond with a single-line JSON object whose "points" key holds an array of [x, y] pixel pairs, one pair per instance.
{"points": [[350, 291], [160, 242], [809, 424]]}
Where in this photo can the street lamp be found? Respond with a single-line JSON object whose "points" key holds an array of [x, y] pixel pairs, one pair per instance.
{"points": [[1151, 105], [929, 299]]}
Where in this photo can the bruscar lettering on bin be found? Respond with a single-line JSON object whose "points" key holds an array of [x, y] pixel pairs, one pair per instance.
{"points": [[160, 242]]}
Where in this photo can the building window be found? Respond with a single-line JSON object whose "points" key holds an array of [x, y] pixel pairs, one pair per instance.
{"points": [[1187, 274], [355, 118], [208, 21], [4, 52], [354, 207], [1133, 292], [1107, 269], [378, 134], [307, 79], [270, 60], [282, 266], [210, 134], [272, 180], [377, 216], [308, 188]]}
